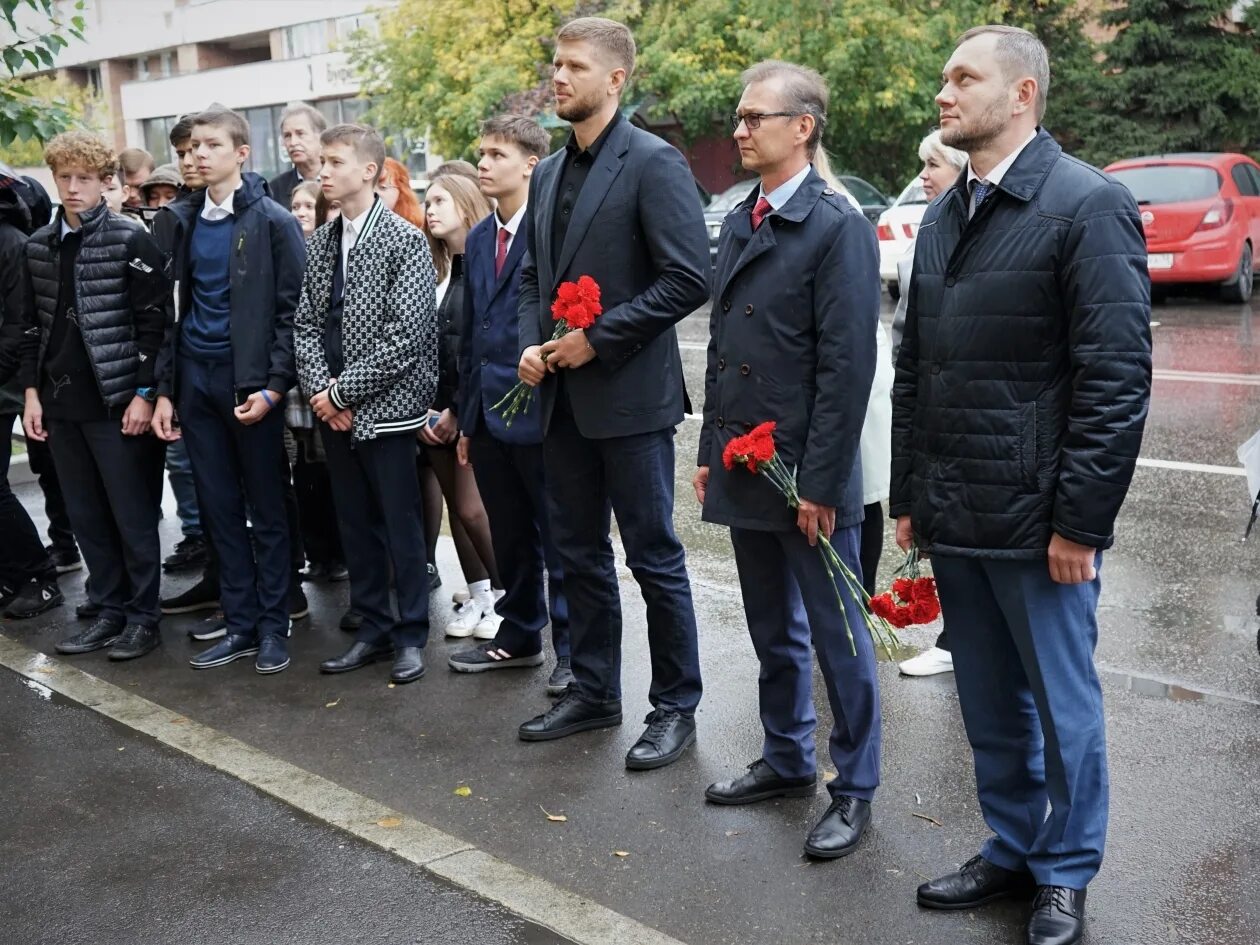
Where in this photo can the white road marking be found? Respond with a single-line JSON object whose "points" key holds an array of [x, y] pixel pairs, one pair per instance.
{"points": [[1192, 467]]}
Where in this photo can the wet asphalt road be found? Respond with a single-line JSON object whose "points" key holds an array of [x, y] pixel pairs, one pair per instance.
{"points": [[1182, 687], [112, 839]]}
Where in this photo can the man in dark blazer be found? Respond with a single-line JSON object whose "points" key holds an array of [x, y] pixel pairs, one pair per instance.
{"points": [[792, 340], [618, 205], [507, 459], [1022, 390]]}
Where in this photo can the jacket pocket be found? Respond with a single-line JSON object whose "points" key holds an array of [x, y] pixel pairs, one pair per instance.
{"points": [[1028, 445]]}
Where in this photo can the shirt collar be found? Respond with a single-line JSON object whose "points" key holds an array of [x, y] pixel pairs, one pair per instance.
{"points": [[355, 226], [220, 209], [995, 176], [572, 146], [513, 224], [67, 229], [784, 192]]}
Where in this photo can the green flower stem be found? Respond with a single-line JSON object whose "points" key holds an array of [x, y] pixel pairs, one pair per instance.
{"points": [[776, 471], [519, 398]]}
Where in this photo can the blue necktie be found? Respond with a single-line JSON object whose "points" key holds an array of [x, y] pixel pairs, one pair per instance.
{"points": [[980, 192]]}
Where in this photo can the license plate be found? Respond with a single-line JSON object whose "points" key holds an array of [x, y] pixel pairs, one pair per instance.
{"points": [[1159, 261]]}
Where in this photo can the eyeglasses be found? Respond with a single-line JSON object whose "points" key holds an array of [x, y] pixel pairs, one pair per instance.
{"points": [[754, 119]]}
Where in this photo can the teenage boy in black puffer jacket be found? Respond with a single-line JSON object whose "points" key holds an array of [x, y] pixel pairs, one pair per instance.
{"points": [[88, 353]]}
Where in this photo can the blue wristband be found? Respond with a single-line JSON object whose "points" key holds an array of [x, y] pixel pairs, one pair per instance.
{"points": [[270, 403]]}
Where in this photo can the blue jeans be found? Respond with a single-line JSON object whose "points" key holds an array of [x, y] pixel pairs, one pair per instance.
{"points": [[179, 468], [1024, 664], [238, 467], [633, 476]]}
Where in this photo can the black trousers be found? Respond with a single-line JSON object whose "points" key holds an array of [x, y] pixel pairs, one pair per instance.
{"points": [[108, 482], [633, 476], [240, 472], [377, 496], [313, 492], [513, 489], [22, 554], [60, 532]]}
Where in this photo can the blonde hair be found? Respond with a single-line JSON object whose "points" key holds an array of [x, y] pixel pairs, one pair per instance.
{"points": [[81, 148], [472, 207]]}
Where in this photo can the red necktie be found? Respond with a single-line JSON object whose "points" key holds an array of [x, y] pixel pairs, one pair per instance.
{"points": [[759, 212], [500, 257]]}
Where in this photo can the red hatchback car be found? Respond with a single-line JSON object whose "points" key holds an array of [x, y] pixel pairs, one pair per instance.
{"points": [[1201, 213]]}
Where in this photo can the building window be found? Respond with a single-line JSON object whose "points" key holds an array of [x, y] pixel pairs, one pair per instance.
{"points": [[142, 68], [167, 65], [305, 39], [347, 26], [157, 138]]}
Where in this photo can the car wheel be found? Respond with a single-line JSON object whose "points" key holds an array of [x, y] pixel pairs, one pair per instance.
{"points": [[894, 291], [1238, 289]]}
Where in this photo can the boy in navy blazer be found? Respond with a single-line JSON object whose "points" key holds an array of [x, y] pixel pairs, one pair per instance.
{"points": [[507, 460]]}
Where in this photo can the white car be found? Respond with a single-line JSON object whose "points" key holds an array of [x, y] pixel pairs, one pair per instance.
{"points": [[896, 230]]}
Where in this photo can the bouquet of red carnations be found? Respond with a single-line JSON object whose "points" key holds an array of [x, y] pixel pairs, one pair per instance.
{"points": [[913, 597], [576, 306], [757, 453]]}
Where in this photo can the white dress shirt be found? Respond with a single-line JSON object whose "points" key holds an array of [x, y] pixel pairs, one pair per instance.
{"points": [[350, 230], [784, 192], [994, 176], [217, 211], [511, 226]]}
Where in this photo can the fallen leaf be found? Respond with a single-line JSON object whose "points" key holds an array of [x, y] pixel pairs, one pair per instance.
{"points": [[464, 790], [391, 686], [122, 749], [333, 704], [554, 818], [828, 776], [179, 721], [389, 822], [931, 820], [620, 853]]}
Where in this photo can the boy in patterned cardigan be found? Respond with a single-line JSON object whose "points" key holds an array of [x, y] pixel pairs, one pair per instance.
{"points": [[366, 339]]}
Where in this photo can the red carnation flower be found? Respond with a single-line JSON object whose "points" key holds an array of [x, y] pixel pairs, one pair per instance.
{"points": [[882, 605], [577, 303], [925, 611], [901, 618], [904, 589], [924, 589]]}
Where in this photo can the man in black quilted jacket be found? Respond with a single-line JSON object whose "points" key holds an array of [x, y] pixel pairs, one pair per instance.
{"points": [[98, 316], [1022, 388]]}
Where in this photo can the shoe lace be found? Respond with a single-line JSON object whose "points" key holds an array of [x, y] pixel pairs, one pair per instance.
{"points": [[658, 724], [842, 805], [1056, 896], [567, 698], [130, 635]]}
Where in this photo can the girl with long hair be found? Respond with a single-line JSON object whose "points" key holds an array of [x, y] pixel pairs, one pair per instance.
{"points": [[453, 205]]}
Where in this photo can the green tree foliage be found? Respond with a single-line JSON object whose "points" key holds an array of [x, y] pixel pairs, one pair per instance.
{"points": [[35, 33], [82, 108], [881, 58], [1175, 78]]}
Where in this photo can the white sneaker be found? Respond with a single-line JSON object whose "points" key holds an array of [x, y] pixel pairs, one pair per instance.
{"points": [[488, 629], [928, 663], [465, 619]]}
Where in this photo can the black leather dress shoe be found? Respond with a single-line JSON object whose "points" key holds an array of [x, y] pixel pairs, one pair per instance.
{"points": [[977, 881], [667, 736], [840, 829], [99, 634], [358, 656], [1058, 916], [760, 783], [569, 715], [408, 664], [136, 640]]}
